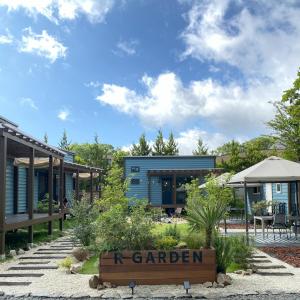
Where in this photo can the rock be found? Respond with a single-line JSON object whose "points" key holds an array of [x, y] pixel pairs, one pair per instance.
{"points": [[94, 281], [34, 246], [245, 273], [100, 287], [12, 253], [110, 294], [2, 293], [238, 272], [207, 284], [75, 268], [107, 285], [181, 245], [80, 254], [21, 251], [250, 271], [224, 279]]}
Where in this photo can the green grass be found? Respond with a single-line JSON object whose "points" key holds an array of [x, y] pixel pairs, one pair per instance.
{"points": [[91, 266], [233, 267], [160, 228], [19, 238]]}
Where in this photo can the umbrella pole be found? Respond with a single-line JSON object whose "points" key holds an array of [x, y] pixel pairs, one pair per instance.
{"points": [[246, 212]]}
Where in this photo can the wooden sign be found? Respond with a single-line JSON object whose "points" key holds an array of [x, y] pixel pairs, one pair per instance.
{"points": [[158, 266]]}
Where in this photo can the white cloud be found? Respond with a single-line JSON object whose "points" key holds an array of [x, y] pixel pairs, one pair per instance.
{"points": [[28, 102], [168, 101], [64, 114], [43, 45], [93, 84], [127, 47], [57, 10], [6, 38]]}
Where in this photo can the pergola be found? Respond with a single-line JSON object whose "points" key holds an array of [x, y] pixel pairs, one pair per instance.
{"points": [[270, 170]]}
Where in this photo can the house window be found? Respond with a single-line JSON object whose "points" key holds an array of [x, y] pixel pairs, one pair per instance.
{"points": [[256, 190], [135, 169], [135, 181], [278, 187]]}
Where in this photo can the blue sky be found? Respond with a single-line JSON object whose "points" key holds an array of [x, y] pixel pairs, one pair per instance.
{"points": [[204, 69]]}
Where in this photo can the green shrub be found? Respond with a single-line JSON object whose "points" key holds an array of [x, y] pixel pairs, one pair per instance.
{"points": [[172, 230], [166, 243], [66, 263], [194, 240], [224, 253], [84, 221], [241, 251]]}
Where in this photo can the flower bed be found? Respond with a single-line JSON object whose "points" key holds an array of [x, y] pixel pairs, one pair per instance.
{"points": [[290, 255]]}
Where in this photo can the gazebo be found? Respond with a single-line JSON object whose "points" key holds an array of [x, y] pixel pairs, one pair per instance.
{"points": [[271, 170]]}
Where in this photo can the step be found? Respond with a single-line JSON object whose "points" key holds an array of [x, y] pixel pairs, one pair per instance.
{"points": [[258, 256], [51, 249], [21, 275], [33, 268], [274, 273], [43, 257], [269, 267], [12, 283], [34, 262], [56, 252], [259, 261]]}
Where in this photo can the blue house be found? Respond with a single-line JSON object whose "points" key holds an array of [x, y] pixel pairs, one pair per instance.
{"points": [[160, 179], [30, 169]]}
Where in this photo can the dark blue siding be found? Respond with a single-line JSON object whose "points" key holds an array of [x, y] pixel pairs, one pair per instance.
{"points": [[9, 205]]}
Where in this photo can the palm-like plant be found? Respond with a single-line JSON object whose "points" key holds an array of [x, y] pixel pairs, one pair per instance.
{"points": [[207, 208]]}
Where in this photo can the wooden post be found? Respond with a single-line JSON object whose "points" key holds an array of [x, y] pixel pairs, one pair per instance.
{"points": [[50, 192], [77, 185], [30, 194], [91, 187], [174, 194], [16, 189], [3, 157], [61, 193], [246, 212]]}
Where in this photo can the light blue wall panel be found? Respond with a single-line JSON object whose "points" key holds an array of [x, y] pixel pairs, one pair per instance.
{"points": [[22, 190], [69, 187], [9, 205], [140, 191], [283, 195]]}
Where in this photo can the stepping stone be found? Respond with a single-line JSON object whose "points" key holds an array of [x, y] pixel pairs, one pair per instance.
{"points": [[34, 262], [258, 256], [274, 274], [57, 252], [269, 267], [12, 283], [52, 249], [259, 261], [34, 268], [43, 257], [21, 275]]}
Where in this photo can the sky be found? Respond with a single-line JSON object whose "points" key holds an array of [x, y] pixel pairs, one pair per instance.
{"points": [[119, 68]]}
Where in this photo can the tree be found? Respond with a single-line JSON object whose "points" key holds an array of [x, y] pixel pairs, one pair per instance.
{"points": [[171, 147], [201, 149], [286, 123], [46, 138], [159, 144], [142, 148], [206, 208], [64, 143]]}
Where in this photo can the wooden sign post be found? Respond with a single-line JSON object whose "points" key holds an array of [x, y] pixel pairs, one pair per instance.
{"points": [[158, 266]]}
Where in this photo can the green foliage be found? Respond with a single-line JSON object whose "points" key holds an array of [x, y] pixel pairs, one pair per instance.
{"points": [[84, 221], [201, 149], [166, 243], [64, 143], [259, 208], [114, 189], [66, 263], [171, 147], [286, 123], [159, 144], [224, 253], [119, 228], [240, 250], [172, 231], [206, 208], [91, 266], [194, 240], [142, 148]]}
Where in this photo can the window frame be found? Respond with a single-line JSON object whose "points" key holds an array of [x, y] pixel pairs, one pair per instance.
{"points": [[276, 189], [258, 190], [135, 181]]}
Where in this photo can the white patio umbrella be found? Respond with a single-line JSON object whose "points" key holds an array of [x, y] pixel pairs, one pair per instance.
{"points": [[270, 170]]}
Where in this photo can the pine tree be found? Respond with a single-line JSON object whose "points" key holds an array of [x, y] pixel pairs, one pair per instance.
{"points": [[159, 144], [201, 149], [64, 144], [46, 138], [171, 147], [141, 148]]}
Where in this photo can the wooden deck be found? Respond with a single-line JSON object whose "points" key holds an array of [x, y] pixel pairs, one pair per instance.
{"points": [[22, 220]]}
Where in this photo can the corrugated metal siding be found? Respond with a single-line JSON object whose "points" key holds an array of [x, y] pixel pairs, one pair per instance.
{"points": [[9, 205], [69, 187], [140, 191], [22, 190]]}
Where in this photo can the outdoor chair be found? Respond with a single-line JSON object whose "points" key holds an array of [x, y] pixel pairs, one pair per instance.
{"points": [[279, 222]]}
